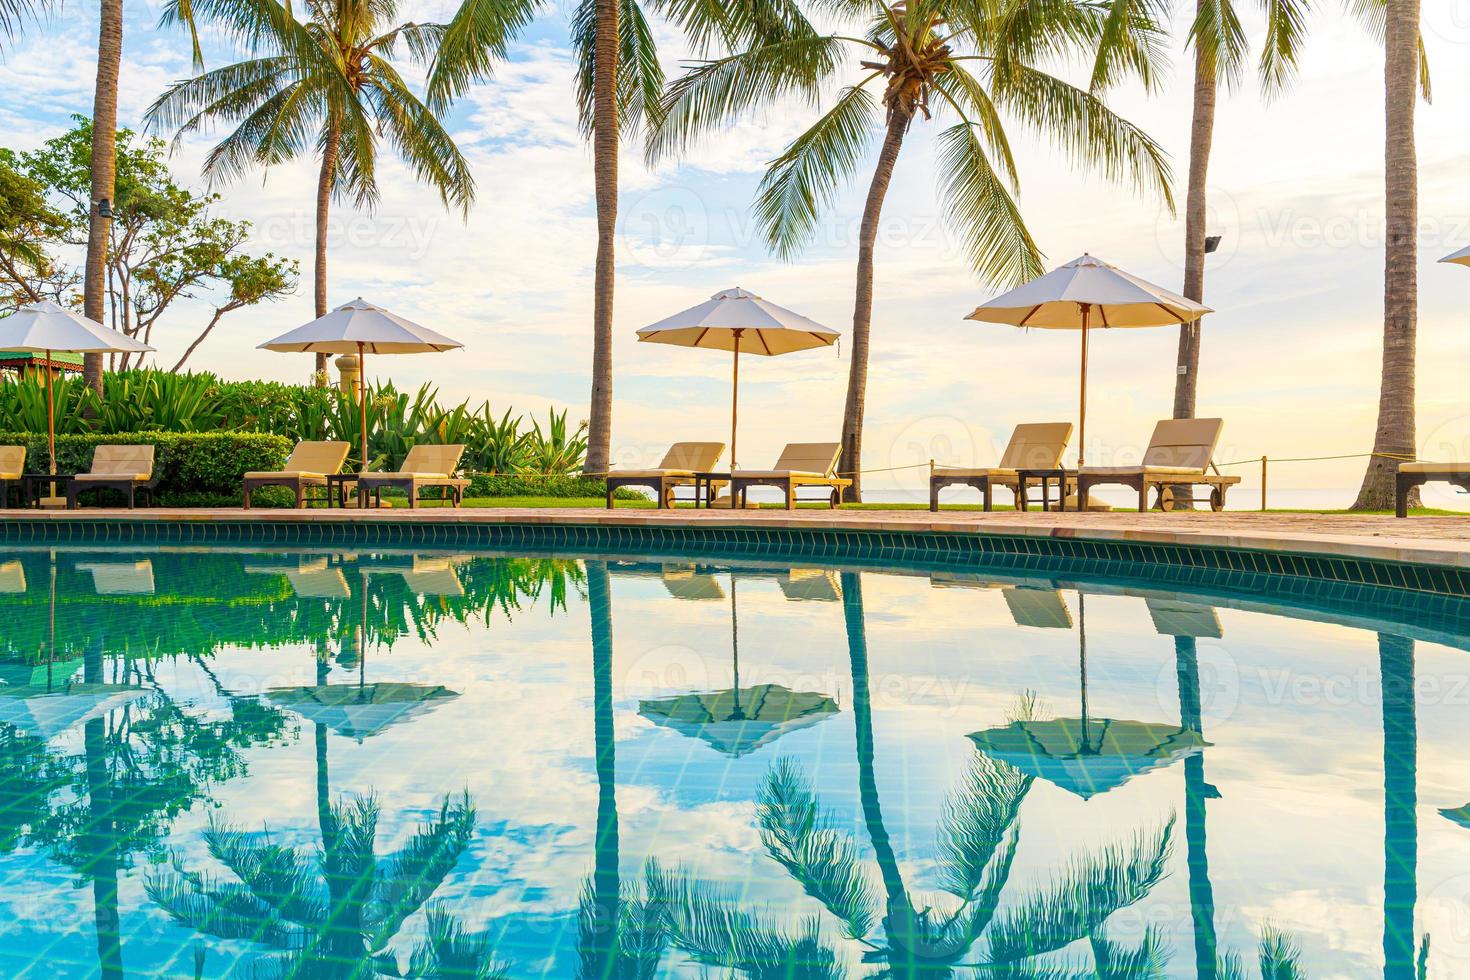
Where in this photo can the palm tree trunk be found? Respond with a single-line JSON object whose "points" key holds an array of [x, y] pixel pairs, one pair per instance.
{"points": [[599, 939], [101, 832], [1395, 434], [1201, 136], [1196, 792], [862, 310], [104, 174], [605, 178], [1400, 831], [324, 184]]}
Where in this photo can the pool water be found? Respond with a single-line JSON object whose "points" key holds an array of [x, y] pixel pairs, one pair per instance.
{"points": [[387, 763]]}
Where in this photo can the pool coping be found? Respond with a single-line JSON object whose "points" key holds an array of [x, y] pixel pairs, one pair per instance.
{"points": [[1427, 551]]}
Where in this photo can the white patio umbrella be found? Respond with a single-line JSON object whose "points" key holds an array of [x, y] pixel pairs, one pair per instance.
{"points": [[44, 327], [360, 328], [740, 322], [1084, 294], [1462, 257]]}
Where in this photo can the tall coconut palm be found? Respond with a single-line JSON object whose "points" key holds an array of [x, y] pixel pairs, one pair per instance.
{"points": [[975, 63], [619, 84], [1403, 77], [104, 174], [326, 85], [1220, 49]]}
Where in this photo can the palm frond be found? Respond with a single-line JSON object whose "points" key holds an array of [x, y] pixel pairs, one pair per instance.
{"points": [[981, 210], [1082, 125], [1280, 955], [479, 35], [227, 93], [1131, 44], [711, 95], [1149, 960], [1286, 30], [804, 179], [276, 130], [823, 860], [1219, 39], [407, 879], [223, 909], [418, 137], [448, 951], [281, 878], [1083, 895], [974, 822]]}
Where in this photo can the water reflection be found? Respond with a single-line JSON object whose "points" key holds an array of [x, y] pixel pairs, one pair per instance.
{"points": [[824, 857]]}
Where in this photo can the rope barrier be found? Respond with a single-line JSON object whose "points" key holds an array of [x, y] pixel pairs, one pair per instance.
{"points": [[1401, 457]]}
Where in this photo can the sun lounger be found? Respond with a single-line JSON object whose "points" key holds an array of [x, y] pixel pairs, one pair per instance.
{"points": [[424, 466], [12, 578], [1175, 617], [309, 465], [120, 578], [310, 578], [1035, 446], [1180, 454], [802, 464], [12, 468], [125, 468], [677, 469], [1413, 475]]}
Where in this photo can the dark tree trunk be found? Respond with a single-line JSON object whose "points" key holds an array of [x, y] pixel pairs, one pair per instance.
{"points": [[1400, 831], [605, 179], [1201, 136], [326, 180]]}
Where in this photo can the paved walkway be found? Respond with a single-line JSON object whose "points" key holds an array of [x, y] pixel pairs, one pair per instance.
{"points": [[1443, 540]]}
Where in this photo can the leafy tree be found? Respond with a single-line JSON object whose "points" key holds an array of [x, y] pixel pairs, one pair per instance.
{"points": [[973, 63], [29, 227], [166, 243], [326, 86]]}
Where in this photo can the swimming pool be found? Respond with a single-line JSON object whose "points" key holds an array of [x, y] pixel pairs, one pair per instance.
{"points": [[326, 762]]}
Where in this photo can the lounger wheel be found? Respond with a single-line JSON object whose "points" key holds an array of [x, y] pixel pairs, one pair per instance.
{"points": [[1166, 499], [1217, 499]]}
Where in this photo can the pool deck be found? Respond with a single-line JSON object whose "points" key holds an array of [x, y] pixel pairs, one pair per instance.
{"points": [[1424, 540]]}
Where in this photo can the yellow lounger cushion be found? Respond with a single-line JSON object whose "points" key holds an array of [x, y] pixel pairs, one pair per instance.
{"points": [[653, 474], [779, 474], [1454, 468], [1143, 470], [284, 475], [113, 477], [994, 472]]}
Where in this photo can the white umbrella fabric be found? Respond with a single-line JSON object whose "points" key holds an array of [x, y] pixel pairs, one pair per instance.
{"points": [[45, 711], [361, 328], [1084, 294], [44, 327], [739, 321]]}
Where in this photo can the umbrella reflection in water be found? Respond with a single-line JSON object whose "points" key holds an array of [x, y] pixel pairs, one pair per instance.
{"points": [[1087, 755], [738, 720]]}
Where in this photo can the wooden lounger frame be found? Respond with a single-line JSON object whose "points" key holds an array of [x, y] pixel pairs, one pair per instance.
{"points": [[986, 484], [298, 485], [131, 487], [1404, 482], [374, 483], [1166, 499], [662, 486], [788, 485]]}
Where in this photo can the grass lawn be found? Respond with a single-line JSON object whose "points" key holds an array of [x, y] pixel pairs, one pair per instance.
{"points": [[566, 502]]}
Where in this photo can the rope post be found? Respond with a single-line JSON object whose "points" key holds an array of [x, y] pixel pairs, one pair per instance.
{"points": [[1263, 484]]}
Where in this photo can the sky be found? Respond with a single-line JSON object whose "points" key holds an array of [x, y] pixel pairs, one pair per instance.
{"points": [[1290, 359]]}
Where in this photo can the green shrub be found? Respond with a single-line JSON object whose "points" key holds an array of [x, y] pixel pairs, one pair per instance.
{"points": [[497, 485], [189, 465]]}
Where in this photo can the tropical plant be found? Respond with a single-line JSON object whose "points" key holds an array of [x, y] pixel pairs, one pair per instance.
{"points": [[973, 62], [555, 450], [332, 911], [13, 13], [1405, 74], [326, 85], [29, 227]]}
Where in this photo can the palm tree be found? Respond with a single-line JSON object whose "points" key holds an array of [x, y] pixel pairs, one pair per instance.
{"points": [[104, 175], [1219, 55], [1404, 75], [973, 62], [326, 85], [619, 85]]}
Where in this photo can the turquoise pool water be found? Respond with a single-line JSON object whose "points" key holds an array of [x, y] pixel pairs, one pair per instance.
{"points": [[347, 763]]}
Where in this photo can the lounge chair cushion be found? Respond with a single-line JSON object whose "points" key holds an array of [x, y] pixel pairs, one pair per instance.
{"points": [[1456, 469], [425, 460], [1145, 471], [285, 475], [778, 475], [653, 474], [696, 457], [12, 462], [114, 463], [1037, 446], [112, 477], [993, 472], [308, 461]]}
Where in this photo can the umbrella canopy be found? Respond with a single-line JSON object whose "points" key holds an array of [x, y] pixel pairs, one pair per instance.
{"points": [[1091, 757], [54, 673], [358, 711], [1081, 295], [739, 321], [1462, 257], [361, 328], [46, 710], [740, 720], [44, 327]]}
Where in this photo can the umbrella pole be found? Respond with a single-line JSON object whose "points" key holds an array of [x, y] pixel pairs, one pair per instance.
{"points": [[362, 404], [1082, 394], [735, 406], [50, 425], [1082, 657], [735, 643]]}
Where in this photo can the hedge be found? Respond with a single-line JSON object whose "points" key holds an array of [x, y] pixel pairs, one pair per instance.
{"points": [[514, 485], [193, 468]]}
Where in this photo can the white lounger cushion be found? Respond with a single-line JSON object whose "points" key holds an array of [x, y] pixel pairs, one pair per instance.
{"points": [[1455, 468]]}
